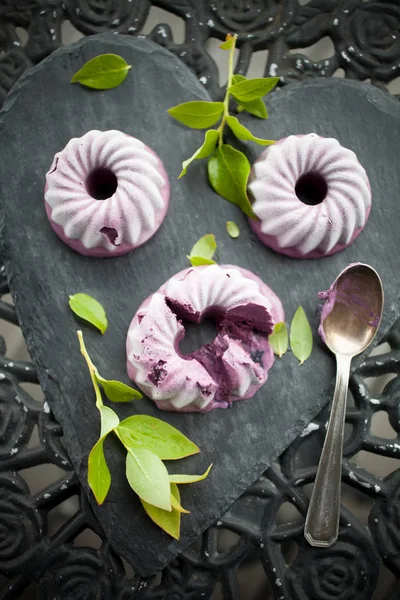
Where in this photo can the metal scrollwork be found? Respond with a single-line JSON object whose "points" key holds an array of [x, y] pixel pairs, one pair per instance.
{"points": [[347, 570], [125, 17], [21, 526], [79, 573], [366, 41], [384, 523]]}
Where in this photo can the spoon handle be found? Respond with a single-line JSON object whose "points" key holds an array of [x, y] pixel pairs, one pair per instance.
{"points": [[322, 522]]}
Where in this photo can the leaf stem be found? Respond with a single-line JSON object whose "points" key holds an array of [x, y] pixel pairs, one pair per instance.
{"points": [[92, 370], [227, 94]]}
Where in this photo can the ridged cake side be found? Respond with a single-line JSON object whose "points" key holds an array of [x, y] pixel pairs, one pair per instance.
{"points": [[300, 230], [230, 368], [116, 224]]}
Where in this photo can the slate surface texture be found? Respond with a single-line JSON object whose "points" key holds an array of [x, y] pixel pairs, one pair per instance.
{"points": [[39, 117]]}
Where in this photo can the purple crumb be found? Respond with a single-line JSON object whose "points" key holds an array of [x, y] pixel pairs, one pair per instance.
{"points": [[158, 373]]}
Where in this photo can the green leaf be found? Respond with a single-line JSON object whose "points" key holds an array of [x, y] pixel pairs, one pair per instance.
{"points": [[228, 172], [197, 114], [189, 478], [198, 261], [99, 477], [279, 339], [176, 504], [210, 141], [203, 251], [143, 431], [90, 310], [251, 89], [301, 340], [148, 477], [102, 72], [116, 391], [109, 420], [255, 107], [232, 229], [169, 521], [242, 133]]}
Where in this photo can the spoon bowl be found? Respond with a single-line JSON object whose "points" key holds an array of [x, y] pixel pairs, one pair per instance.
{"points": [[349, 322], [356, 309]]}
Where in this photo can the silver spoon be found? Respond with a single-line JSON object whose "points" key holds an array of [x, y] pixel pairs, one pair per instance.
{"points": [[349, 322]]}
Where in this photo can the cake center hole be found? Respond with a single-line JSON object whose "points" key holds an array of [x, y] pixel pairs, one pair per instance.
{"points": [[311, 188], [197, 335], [101, 183]]}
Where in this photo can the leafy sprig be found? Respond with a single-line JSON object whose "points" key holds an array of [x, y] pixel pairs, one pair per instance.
{"points": [[148, 442], [228, 168]]}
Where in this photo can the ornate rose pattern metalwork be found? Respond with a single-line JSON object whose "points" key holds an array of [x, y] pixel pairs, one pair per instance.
{"points": [[366, 40]]}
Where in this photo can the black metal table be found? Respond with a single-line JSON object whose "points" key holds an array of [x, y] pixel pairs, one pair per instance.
{"points": [[250, 542]]}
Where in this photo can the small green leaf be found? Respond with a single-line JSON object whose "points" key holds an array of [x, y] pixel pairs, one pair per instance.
{"points": [[255, 107], [197, 114], [279, 339], [242, 133], [143, 431], [228, 172], [301, 340], [232, 229], [251, 89], [102, 72], [176, 505], [210, 141], [90, 310], [116, 391], [203, 251], [148, 477], [109, 420], [169, 521], [198, 261], [189, 478], [99, 477]]}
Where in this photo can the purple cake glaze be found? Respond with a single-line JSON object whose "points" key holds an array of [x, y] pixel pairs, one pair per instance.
{"points": [[232, 367], [324, 223], [132, 211], [329, 296]]}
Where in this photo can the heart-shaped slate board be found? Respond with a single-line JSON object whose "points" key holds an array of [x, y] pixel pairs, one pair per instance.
{"points": [[40, 115]]}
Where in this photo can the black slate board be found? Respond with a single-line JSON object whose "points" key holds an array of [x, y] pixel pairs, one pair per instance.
{"points": [[41, 114]]}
